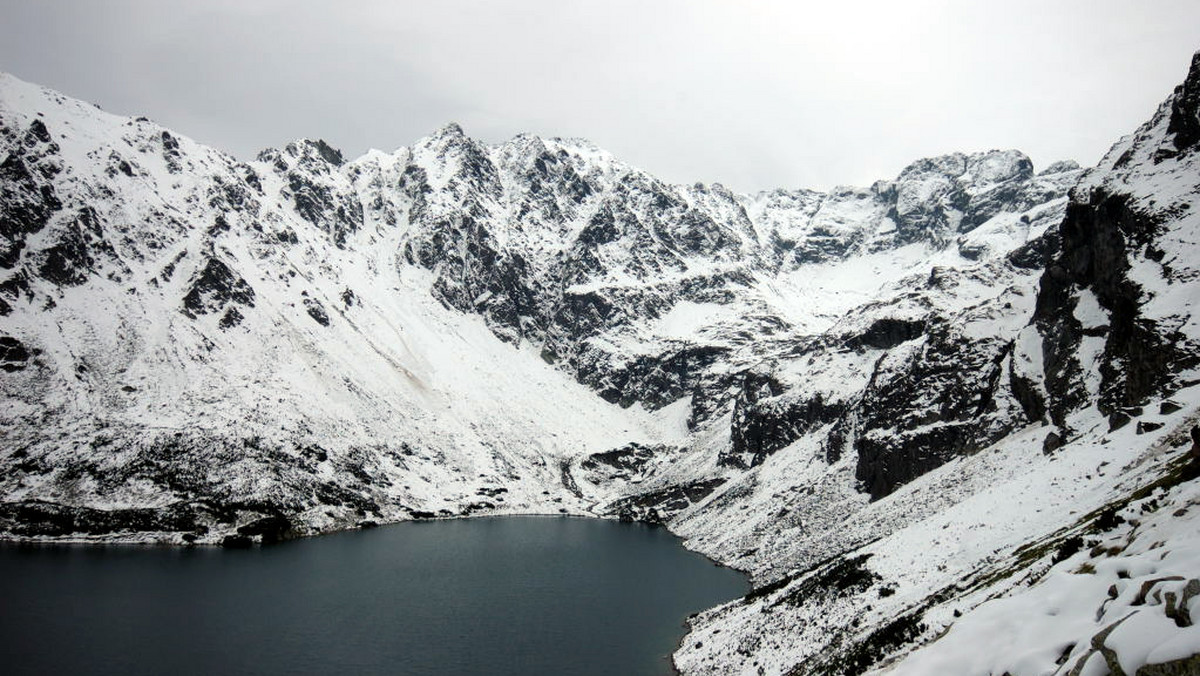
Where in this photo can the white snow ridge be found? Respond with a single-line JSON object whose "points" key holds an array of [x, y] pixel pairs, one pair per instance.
{"points": [[947, 423]]}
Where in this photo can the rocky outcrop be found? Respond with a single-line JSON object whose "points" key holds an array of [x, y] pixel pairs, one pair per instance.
{"points": [[658, 506], [764, 420], [623, 463], [1113, 248], [77, 251], [269, 529], [13, 354], [887, 333], [938, 403], [318, 194], [216, 288], [940, 197], [27, 195], [35, 517], [1184, 123]]}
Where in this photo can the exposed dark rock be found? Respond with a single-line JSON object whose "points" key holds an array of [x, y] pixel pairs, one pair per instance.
{"points": [[659, 505], [859, 655], [231, 318], [1069, 547], [1180, 611], [1185, 110], [820, 245], [314, 453], [37, 133], [765, 419], [1185, 666], [1145, 426], [273, 528], [1052, 442], [237, 542], [328, 153], [72, 258], [119, 165], [14, 356], [214, 288], [629, 459], [170, 152], [887, 333], [1028, 395], [627, 462], [1037, 253], [939, 405], [843, 577], [27, 197], [952, 208], [478, 506], [655, 380], [316, 311], [306, 167], [568, 479], [220, 225], [319, 205], [1139, 356], [1117, 420], [473, 275], [36, 517], [1169, 406], [1107, 520]]}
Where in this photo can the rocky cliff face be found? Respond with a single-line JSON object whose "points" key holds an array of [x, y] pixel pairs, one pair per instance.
{"points": [[1113, 290], [195, 348]]}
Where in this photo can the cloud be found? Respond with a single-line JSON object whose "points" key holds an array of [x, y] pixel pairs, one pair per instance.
{"points": [[756, 95]]}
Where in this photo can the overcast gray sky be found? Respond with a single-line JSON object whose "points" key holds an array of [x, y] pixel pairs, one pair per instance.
{"points": [[753, 94]]}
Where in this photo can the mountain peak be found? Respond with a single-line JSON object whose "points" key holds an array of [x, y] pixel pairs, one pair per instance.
{"points": [[1185, 109], [317, 147], [450, 130], [1060, 167]]}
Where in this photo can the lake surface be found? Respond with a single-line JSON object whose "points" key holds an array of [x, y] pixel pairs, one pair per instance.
{"points": [[512, 595]]}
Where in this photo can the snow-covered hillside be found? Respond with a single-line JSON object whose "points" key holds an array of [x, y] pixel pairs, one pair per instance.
{"points": [[1061, 417], [890, 404], [186, 348]]}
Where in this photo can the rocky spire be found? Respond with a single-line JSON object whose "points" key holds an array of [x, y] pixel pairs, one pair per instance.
{"points": [[1185, 109]]}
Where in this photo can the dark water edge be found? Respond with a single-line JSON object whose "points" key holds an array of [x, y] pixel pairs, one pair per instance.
{"points": [[502, 595]]}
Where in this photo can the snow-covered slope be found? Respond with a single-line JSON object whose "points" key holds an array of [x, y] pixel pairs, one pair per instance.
{"points": [[1062, 420], [888, 404], [185, 341]]}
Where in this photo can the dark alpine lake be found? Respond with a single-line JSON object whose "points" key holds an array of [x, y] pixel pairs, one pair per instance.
{"points": [[511, 595]]}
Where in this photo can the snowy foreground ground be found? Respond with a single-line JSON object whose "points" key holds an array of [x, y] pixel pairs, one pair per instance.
{"points": [[1016, 560]]}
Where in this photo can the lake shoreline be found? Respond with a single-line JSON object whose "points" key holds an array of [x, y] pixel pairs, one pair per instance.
{"points": [[519, 544]]}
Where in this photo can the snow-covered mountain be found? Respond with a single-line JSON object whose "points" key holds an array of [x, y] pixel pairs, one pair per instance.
{"points": [[890, 404]]}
